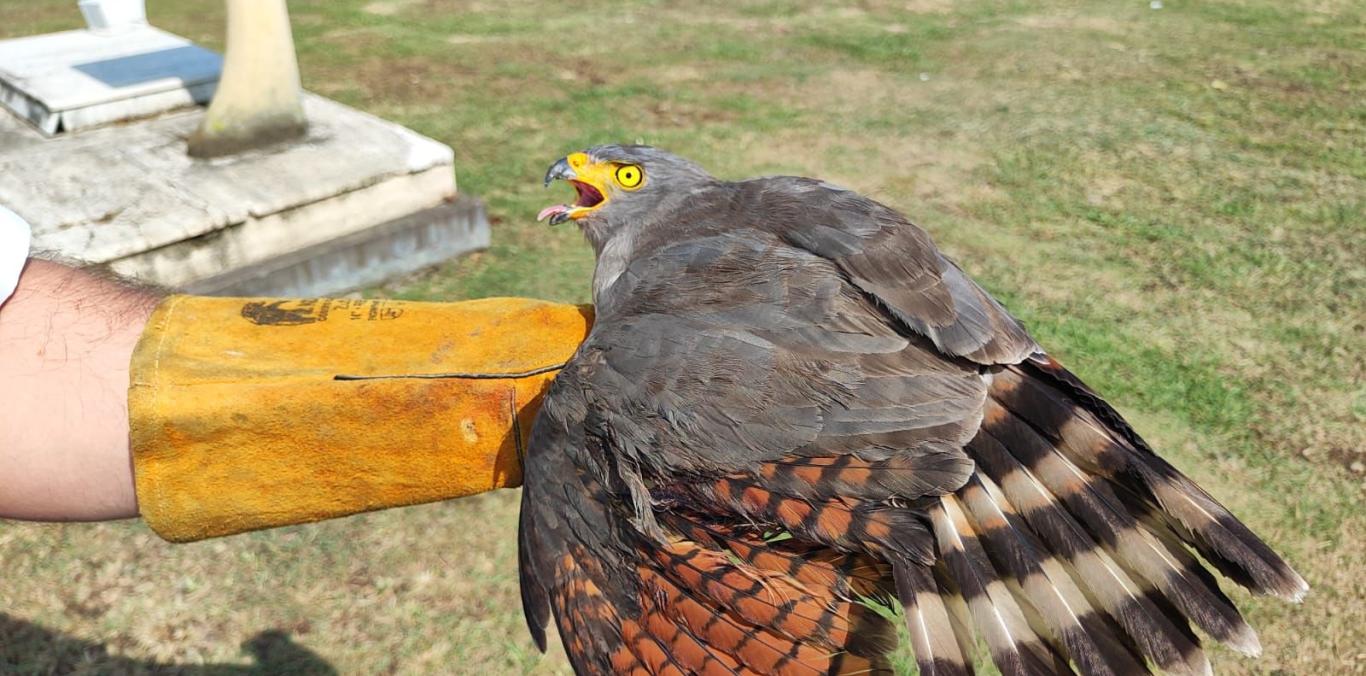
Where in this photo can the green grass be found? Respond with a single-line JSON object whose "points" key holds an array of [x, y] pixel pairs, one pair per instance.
{"points": [[1172, 200]]}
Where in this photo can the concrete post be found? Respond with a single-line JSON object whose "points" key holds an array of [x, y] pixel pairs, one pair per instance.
{"points": [[258, 98]]}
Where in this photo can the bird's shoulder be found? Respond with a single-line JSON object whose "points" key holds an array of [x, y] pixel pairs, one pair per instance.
{"points": [[806, 232], [783, 220], [780, 203]]}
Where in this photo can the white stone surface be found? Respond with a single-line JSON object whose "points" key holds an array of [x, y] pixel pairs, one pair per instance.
{"points": [[75, 80], [260, 238], [364, 259], [129, 196]]}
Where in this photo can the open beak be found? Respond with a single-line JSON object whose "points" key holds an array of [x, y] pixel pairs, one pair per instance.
{"points": [[558, 171], [582, 173]]}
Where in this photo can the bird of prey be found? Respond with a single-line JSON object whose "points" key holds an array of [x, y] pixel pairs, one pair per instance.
{"points": [[793, 409]]}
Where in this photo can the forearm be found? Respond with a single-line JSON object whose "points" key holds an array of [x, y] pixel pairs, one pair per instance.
{"points": [[66, 337]]}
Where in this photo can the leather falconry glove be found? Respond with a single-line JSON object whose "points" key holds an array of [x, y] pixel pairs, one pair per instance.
{"points": [[255, 413]]}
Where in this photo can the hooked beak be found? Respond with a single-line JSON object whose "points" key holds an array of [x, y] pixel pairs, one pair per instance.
{"points": [[559, 171], [586, 177]]}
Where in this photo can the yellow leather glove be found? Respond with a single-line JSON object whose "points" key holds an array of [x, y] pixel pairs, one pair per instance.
{"points": [[255, 413]]}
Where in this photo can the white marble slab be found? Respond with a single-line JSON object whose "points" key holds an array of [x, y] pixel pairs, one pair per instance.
{"points": [[129, 197], [73, 80]]}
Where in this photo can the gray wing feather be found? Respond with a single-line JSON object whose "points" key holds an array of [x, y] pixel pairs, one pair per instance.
{"points": [[894, 260], [731, 349]]}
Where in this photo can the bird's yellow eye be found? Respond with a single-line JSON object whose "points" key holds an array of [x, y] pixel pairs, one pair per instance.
{"points": [[629, 176]]}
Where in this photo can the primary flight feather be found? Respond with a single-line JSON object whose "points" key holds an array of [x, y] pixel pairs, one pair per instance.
{"points": [[793, 407]]}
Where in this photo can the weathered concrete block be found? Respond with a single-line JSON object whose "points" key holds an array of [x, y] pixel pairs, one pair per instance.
{"points": [[364, 258], [128, 197]]}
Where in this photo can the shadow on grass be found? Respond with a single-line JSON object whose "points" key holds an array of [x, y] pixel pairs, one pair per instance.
{"points": [[27, 648]]}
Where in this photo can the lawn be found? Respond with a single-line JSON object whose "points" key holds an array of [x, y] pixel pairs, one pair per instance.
{"points": [[1171, 198]]}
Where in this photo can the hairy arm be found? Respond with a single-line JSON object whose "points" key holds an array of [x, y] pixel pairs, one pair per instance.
{"points": [[66, 336]]}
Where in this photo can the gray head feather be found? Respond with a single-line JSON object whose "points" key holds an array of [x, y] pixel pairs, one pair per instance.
{"points": [[669, 180]]}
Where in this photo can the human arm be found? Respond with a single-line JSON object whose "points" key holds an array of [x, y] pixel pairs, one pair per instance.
{"points": [[66, 336]]}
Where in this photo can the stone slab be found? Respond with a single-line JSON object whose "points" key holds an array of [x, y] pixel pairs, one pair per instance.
{"points": [[362, 259], [260, 238], [73, 80], [130, 199]]}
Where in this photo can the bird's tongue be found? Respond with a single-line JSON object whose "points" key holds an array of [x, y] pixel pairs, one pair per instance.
{"points": [[551, 211]]}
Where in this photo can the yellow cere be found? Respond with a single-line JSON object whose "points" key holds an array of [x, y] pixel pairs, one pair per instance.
{"points": [[600, 175]]}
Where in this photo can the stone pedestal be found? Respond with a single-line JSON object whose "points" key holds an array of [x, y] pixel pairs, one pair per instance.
{"points": [[356, 201]]}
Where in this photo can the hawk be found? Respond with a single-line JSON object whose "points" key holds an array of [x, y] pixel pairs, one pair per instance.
{"points": [[793, 410]]}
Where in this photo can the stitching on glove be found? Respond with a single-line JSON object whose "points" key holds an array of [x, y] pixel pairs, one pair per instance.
{"points": [[465, 376]]}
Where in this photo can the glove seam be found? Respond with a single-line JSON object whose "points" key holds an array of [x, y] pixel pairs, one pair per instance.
{"points": [[457, 375]]}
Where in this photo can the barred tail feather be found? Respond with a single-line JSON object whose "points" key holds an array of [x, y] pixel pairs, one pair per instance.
{"points": [[1092, 502], [1070, 540], [1014, 645], [937, 637], [1220, 537], [1046, 591], [1091, 433], [959, 616], [1155, 634]]}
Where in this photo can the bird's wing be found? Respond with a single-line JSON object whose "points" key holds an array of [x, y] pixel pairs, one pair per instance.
{"points": [[892, 260], [764, 432]]}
